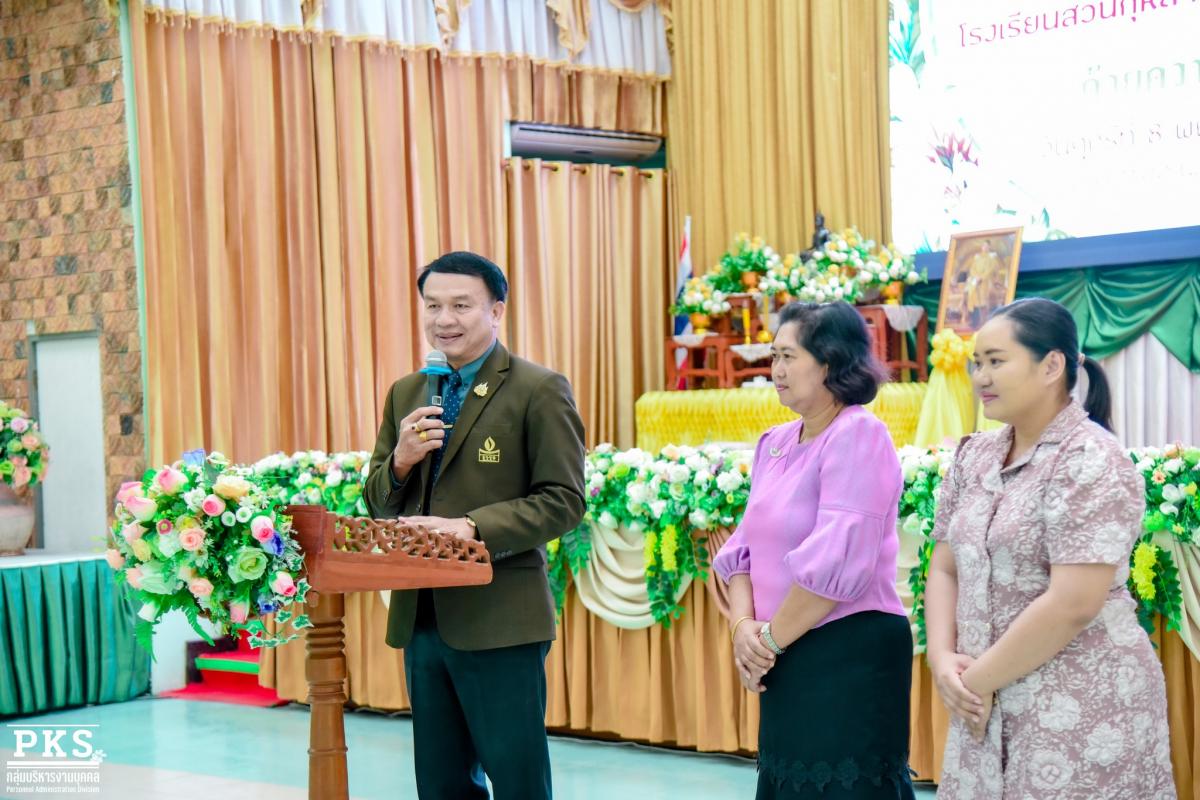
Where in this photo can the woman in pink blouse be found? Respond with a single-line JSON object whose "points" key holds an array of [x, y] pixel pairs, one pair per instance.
{"points": [[817, 626], [1034, 642]]}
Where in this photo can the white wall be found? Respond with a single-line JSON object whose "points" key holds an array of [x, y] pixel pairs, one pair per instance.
{"points": [[70, 410]]}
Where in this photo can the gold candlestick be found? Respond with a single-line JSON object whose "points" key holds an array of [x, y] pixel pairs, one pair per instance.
{"points": [[746, 323]]}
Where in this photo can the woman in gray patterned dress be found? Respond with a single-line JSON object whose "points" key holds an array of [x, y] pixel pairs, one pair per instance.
{"points": [[1054, 689]]}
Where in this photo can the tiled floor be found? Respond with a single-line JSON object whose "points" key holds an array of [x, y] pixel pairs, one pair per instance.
{"points": [[180, 750]]}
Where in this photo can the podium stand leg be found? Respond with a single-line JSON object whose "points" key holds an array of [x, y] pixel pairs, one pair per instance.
{"points": [[325, 668]]}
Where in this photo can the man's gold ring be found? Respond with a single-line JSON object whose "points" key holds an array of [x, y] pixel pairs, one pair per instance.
{"points": [[424, 436]]}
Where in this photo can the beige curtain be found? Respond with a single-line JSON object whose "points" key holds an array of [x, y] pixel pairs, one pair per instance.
{"points": [[589, 263], [778, 108], [292, 190]]}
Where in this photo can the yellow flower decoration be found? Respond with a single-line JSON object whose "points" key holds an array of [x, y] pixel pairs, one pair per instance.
{"points": [[670, 540], [1190, 489], [1145, 557], [552, 548], [650, 546], [950, 351]]}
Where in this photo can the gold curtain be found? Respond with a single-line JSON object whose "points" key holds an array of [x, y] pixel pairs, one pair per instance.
{"points": [[778, 108], [292, 190], [589, 261]]}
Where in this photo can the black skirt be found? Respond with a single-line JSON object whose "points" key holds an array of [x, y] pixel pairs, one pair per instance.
{"points": [[834, 717]]}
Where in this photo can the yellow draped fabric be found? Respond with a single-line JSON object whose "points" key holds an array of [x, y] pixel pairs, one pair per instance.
{"points": [[948, 413], [293, 189], [778, 109], [677, 686], [742, 415]]}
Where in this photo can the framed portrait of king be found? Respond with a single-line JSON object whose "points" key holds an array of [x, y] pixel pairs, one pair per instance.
{"points": [[981, 276]]}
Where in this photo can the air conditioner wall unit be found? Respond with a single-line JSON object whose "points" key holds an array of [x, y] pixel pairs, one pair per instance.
{"points": [[537, 140]]}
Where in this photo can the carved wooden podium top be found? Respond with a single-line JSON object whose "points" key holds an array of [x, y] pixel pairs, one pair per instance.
{"points": [[354, 554]]}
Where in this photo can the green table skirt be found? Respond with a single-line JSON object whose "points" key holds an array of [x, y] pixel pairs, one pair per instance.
{"points": [[66, 639]]}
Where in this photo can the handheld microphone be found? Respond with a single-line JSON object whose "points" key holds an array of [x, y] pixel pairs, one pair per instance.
{"points": [[436, 368]]}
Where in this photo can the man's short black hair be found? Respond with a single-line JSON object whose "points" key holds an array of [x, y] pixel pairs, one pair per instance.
{"points": [[461, 262]]}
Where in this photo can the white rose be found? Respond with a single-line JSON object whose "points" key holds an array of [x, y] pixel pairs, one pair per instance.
{"points": [[696, 462], [678, 473], [699, 518], [729, 481], [912, 278], [597, 480], [1145, 465], [1173, 466], [657, 507], [304, 479], [334, 478], [636, 492], [194, 498], [313, 494], [1169, 509], [702, 479], [1172, 493], [607, 520]]}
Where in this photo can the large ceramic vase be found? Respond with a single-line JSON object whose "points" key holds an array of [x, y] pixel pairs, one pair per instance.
{"points": [[16, 522]]}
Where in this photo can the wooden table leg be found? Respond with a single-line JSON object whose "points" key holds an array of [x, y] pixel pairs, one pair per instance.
{"points": [[325, 669]]}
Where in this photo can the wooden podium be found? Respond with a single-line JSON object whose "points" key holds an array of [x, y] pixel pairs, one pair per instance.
{"points": [[356, 554]]}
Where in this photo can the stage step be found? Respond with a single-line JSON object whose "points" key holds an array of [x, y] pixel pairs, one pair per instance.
{"points": [[229, 677]]}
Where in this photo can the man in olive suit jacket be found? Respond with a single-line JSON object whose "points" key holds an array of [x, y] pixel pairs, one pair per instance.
{"points": [[502, 462]]}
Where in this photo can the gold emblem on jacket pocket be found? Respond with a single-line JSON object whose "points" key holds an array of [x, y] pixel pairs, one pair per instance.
{"points": [[489, 453]]}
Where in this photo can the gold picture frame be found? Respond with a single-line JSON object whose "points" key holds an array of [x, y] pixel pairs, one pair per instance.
{"points": [[980, 276]]}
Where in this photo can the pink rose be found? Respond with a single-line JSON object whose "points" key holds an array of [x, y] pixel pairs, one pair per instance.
{"points": [[283, 584], [213, 506], [134, 577], [129, 489], [238, 612], [262, 529], [114, 558], [165, 527], [19, 425], [200, 587], [142, 508], [132, 532], [18, 461], [30, 441], [192, 539], [170, 480], [21, 476]]}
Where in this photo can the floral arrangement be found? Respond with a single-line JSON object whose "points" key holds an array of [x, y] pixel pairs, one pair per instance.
{"points": [[674, 498], [743, 268], [24, 454], [700, 297], [923, 470], [681, 494], [1172, 509], [847, 266], [204, 537], [313, 477]]}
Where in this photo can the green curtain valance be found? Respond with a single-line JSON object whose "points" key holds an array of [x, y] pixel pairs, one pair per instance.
{"points": [[1114, 306]]}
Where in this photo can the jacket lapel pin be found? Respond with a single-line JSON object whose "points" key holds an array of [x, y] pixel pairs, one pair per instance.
{"points": [[481, 390]]}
